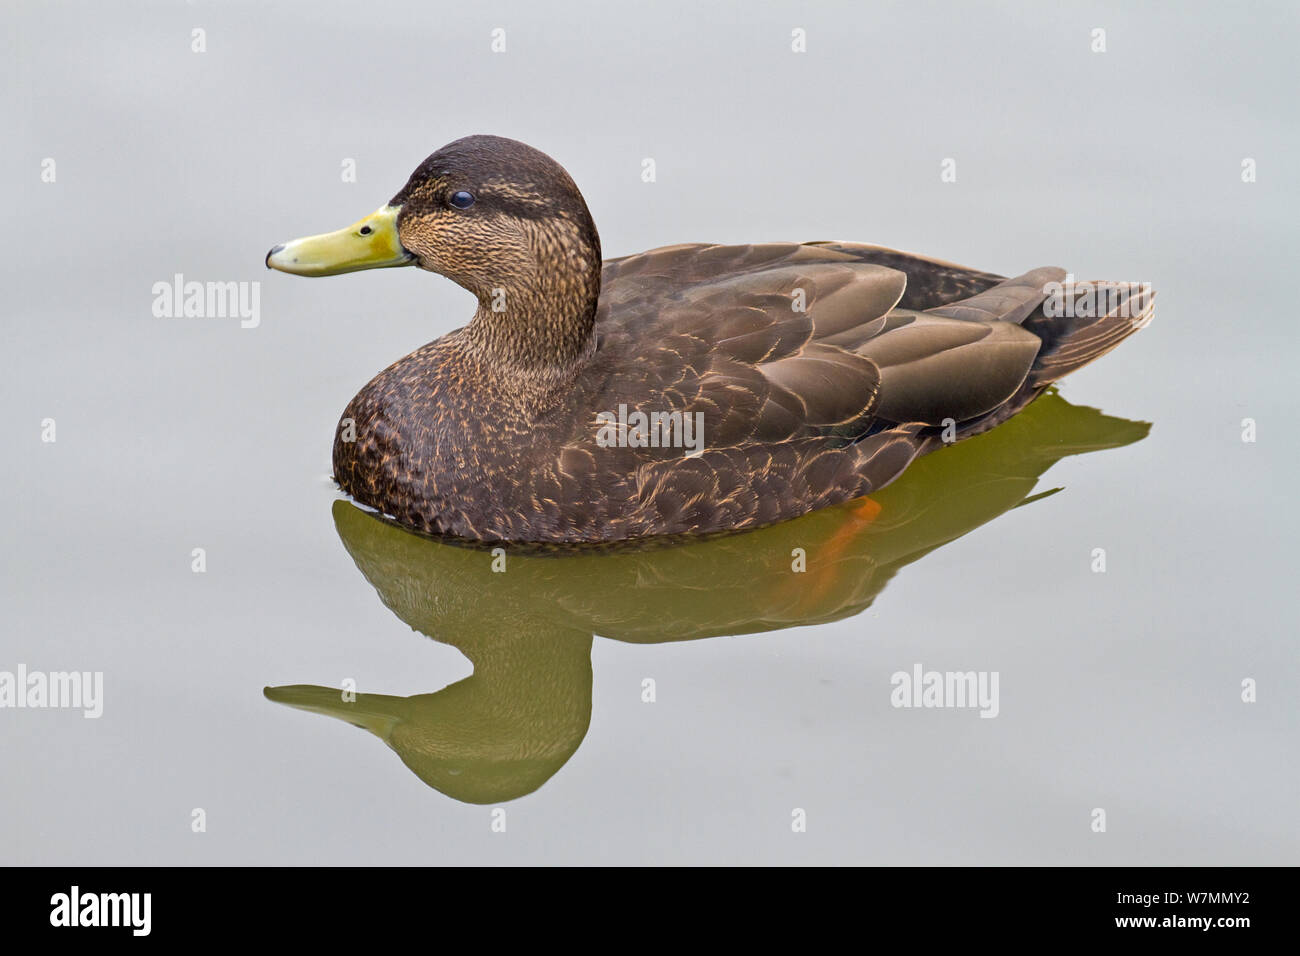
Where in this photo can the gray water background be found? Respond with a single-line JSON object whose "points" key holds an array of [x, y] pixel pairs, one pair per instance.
{"points": [[1119, 690]]}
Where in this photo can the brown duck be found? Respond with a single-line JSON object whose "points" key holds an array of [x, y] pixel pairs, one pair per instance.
{"points": [[683, 391]]}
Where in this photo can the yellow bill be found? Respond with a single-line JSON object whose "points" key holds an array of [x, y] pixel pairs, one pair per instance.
{"points": [[369, 243]]}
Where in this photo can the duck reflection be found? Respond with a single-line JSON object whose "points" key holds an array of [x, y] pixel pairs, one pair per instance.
{"points": [[506, 729]]}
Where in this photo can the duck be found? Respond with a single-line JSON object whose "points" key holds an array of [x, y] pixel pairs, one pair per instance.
{"points": [[689, 390]]}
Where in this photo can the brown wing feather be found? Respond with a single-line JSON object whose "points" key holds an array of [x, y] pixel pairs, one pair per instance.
{"points": [[760, 326], [1009, 301]]}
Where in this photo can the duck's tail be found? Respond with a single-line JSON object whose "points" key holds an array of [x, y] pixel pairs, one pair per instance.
{"points": [[1082, 321], [1078, 322]]}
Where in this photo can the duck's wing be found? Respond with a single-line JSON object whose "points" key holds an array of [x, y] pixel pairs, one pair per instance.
{"points": [[783, 341], [816, 381], [742, 334]]}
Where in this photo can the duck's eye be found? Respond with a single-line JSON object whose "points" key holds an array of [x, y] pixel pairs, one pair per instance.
{"points": [[461, 199], [365, 230]]}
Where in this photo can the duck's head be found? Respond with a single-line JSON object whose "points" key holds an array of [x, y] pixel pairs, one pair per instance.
{"points": [[496, 216]]}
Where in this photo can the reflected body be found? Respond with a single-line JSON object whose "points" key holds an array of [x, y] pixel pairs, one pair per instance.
{"points": [[502, 732]]}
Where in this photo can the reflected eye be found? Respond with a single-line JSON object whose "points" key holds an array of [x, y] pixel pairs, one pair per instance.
{"points": [[461, 200]]}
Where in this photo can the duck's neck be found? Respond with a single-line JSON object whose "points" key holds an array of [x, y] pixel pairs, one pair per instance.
{"points": [[541, 325]]}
